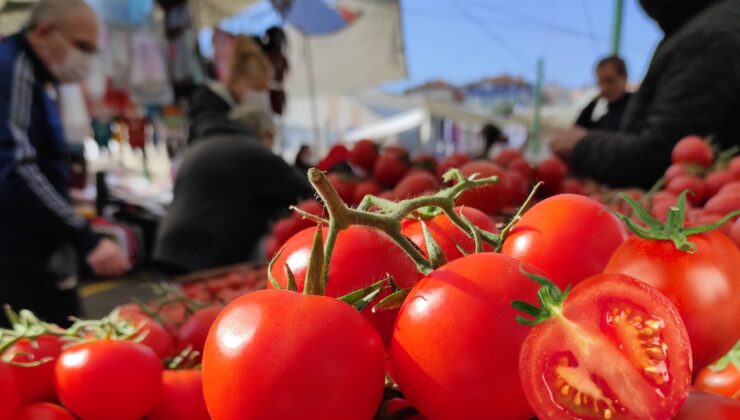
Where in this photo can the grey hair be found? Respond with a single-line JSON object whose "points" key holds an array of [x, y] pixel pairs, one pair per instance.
{"points": [[256, 119], [55, 12]]}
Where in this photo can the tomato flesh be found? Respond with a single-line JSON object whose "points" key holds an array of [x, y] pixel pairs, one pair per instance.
{"points": [[618, 350]]}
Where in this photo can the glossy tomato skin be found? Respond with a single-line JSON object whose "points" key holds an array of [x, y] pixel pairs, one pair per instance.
{"points": [[43, 411], [455, 160], [155, 335], [446, 234], [569, 237], [181, 398], [693, 150], [551, 172], [597, 336], [109, 380], [724, 382], [345, 187], [506, 156], [491, 198], [389, 169], [716, 180], [364, 188], [361, 257], [703, 405], [315, 357], [36, 383], [688, 182], [456, 343], [416, 183], [364, 154], [194, 331], [704, 286], [11, 399]]}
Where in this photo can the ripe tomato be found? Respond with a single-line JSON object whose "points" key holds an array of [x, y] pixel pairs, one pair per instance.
{"points": [[716, 180], [36, 383], [181, 398], [569, 237], [506, 156], [195, 330], [704, 285], [491, 198], [523, 167], [723, 203], [337, 155], [734, 167], [693, 150], [455, 160], [311, 207], [397, 151], [361, 257], [275, 354], [702, 405], [572, 186], [109, 379], [551, 172], [722, 382], [389, 169], [155, 335], [284, 229], [447, 235], [43, 411], [416, 183], [11, 399], [456, 343], [364, 188], [735, 232], [688, 182], [425, 161], [615, 348], [675, 170], [344, 186], [517, 187], [364, 154]]}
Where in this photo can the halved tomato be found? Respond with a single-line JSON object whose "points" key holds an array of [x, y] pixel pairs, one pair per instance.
{"points": [[614, 348]]}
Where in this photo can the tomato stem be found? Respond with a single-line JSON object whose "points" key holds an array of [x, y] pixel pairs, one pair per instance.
{"points": [[549, 295]]}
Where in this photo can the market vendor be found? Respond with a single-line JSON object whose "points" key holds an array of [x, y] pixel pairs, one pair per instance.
{"points": [[611, 73], [40, 233], [692, 87]]}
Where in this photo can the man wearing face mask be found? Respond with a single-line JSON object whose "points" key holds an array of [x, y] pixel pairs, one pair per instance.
{"points": [[691, 87], [39, 230]]}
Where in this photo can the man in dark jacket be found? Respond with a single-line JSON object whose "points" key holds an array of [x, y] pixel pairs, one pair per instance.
{"points": [[611, 73], [227, 190], [39, 230], [691, 87]]}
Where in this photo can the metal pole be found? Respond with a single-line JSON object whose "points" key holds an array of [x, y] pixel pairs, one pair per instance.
{"points": [[534, 145], [617, 26], [319, 142]]}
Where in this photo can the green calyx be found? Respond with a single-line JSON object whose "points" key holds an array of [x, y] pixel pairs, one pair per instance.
{"points": [[733, 356], [674, 228], [550, 296]]}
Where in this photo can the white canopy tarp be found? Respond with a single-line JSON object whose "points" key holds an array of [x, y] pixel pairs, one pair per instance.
{"points": [[14, 14], [207, 13], [367, 52]]}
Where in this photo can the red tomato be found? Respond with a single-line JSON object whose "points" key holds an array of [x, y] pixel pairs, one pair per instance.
{"points": [[675, 170], [182, 397], [109, 379], [722, 382], [615, 347], [506, 156], [693, 150], [283, 229], [716, 180], [711, 218], [361, 257], [735, 232], [11, 399], [732, 187], [344, 186], [447, 351], [195, 330], [426, 161], [292, 343], [704, 285], [701, 405], [489, 199], [523, 167], [397, 151], [723, 203], [272, 246], [364, 188], [688, 182], [36, 383], [455, 160], [337, 154], [364, 154], [416, 184], [569, 237], [665, 196], [734, 167], [43, 411], [551, 172], [155, 335], [572, 186], [311, 207], [389, 169], [517, 186], [447, 235]]}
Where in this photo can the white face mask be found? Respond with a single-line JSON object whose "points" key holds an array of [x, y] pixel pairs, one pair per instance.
{"points": [[75, 68]]}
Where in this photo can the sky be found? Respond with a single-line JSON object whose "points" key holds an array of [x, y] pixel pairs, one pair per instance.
{"points": [[464, 40]]}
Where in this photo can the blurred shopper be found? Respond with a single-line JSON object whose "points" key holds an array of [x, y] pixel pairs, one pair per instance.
{"points": [[692, 87], [40, 232], [259, 121], [492, 136], [229, 188], [611, 73], [249, 79], [304, 159]]}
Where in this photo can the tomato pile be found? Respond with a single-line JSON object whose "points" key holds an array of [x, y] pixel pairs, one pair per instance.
{"points": [[426, 289]]}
